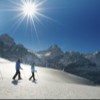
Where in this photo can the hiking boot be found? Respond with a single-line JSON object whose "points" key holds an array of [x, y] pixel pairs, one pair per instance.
{"points": [[13, 78], [20, 79]]}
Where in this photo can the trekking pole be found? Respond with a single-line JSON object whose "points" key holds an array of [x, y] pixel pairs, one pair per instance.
{"points": [[1, 75]]}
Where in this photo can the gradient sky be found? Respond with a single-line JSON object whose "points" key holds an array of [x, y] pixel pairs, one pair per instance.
{"points": [[76, 25]]}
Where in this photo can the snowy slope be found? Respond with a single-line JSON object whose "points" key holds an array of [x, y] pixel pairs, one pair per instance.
{"points": [[51, 84]]}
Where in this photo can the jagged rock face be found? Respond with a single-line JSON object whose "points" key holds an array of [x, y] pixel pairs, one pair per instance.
{"points": [[12, 51], [9, 48], [72, 57], [52, 57], [95, 58], [5, 42], [51, 52], [79, 65], [55, 51]]}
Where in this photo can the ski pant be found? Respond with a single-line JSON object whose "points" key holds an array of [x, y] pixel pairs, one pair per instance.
{"points": [[17, 73], [33, 75]]}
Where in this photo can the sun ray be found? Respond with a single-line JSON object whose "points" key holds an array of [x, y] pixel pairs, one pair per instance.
{"points": [[35, 30], [30, 11], [44, 16], [14, 2], [18, 23], [41, 3]]}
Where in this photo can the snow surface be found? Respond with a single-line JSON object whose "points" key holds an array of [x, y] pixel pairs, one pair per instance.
{"points": [[51, 84]]}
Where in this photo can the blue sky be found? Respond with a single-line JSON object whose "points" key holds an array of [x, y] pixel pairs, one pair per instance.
{"points": [[76, 25]]}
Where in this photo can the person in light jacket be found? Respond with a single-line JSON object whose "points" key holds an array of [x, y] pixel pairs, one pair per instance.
{"points": [[33, 72], [18, 67]]}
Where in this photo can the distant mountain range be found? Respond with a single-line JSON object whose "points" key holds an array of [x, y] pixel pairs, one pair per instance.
{"points": [[85, 65], [12, 51]]}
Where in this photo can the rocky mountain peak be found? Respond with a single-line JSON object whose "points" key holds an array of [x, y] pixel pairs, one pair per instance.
{"points": [[6, 39], [5, 36], [55, 48]]}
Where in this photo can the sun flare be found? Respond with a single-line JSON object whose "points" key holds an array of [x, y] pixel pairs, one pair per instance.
{"points": [[29, 12], [29, 9]]}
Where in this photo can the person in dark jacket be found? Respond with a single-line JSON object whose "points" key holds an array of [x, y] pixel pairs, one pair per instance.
{"points": [[33, 72], [18, 67]]}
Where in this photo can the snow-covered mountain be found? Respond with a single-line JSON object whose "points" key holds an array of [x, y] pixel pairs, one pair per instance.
{"points": [[51, 56], [85, 65], [95, 57], [12, 51], [54, 57], [72, 62], [73, 57]]}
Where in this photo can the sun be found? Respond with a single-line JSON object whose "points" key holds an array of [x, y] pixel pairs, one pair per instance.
{"points": [[29, 12], [29, 9]]}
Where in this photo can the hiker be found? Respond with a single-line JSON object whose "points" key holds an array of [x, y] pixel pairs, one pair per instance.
{"points": [[33, 72], [18, 67]]}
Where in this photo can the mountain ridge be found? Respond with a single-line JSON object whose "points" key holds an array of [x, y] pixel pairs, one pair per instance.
{"points": [[74, 62]]}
